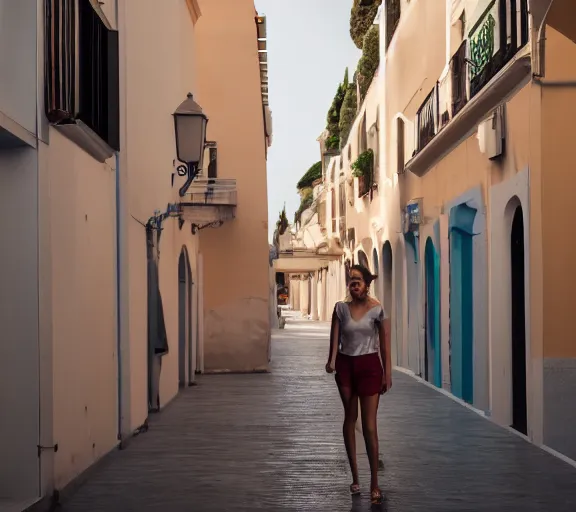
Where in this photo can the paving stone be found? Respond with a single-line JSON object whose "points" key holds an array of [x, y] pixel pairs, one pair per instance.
{"points": [[273, 442]]}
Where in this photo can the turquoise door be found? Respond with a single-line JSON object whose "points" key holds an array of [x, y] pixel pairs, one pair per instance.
{"points": [[462, 303], [433, 347]]}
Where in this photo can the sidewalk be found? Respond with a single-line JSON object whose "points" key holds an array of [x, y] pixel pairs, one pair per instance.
{"points": [[273, 442]]}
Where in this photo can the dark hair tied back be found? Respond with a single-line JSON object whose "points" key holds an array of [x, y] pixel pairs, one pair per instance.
{"points": [[366, 274]]}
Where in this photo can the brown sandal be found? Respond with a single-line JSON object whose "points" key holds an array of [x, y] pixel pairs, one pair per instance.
{"points": [[354, 489], [376, 496]]}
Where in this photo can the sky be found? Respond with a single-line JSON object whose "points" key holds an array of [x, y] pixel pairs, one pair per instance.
{"points": [[309, 48]]}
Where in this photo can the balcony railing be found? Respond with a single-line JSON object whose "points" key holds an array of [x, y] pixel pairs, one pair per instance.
{"points": [[495, 38], [210, 200], [459, 82], [427, 119], [213, 192]]}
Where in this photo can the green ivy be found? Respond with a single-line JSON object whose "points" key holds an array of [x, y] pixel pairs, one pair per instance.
{"points": [[310, 176], [362, 18], [370, 60], [364, 165]]}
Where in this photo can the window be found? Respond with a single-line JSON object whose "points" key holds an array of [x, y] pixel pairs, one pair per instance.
{"points": [[82, 69], [427, 120], [459, 72], [60, 59], [400, 146], [393, 10], [362, 143]]}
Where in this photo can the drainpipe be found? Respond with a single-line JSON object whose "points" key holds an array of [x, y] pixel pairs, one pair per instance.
{"points": [[539, 61], [118, 299]]}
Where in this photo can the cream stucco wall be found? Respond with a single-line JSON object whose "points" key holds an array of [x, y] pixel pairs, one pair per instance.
{"points": [[146, 176], [82, 219], [78, 238], [237, 328]]}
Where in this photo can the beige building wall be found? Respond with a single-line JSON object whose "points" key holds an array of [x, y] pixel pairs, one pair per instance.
{"points": [[82, 222], [150, 98], [558, 97], [237, 327], [79, 201]]}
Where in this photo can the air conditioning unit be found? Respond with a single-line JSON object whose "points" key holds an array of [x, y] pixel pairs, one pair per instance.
{"points": [[412, 216], [491, 134]]}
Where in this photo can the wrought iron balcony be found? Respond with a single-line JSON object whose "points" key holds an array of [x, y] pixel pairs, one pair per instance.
{"points": [[490, 63], [210, 201], [459, 82], [427, 119]]}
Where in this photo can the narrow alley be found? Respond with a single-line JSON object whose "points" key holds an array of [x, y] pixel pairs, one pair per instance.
{"points": [[273, 442]]}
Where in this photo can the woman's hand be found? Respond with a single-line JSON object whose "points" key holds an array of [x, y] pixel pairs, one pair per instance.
{"points": [[330, 367], [386, 382]]}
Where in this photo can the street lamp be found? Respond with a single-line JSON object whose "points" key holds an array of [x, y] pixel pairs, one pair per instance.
{"points": [[190, 129]]}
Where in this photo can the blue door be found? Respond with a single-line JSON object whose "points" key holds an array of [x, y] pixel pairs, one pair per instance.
{"points": [[414, 362], [433, 347], [461, 302]]}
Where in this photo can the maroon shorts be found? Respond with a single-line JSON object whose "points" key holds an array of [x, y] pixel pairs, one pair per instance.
{"points": [[362, 374]]}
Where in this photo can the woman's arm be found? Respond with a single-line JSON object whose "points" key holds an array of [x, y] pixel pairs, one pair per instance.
{"points": [[334, 340], [385, 350]]}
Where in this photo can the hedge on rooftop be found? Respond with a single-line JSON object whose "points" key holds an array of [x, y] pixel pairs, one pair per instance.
{"points": [[348, 113], [310, 176], [368, 63], [333, 117], [362, 18]]}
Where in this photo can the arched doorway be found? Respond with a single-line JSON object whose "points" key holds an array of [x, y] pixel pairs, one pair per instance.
{"points": [[398, 320], [377, 285], [432, 351], [185, 327], [412, 271], [517, 268], [462, 302], [363, 259], [387, 295]]}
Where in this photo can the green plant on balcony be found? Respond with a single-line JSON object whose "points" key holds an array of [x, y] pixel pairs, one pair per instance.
{"points": [[362, 18], [363, 169], [364, 165], [370, 60]]}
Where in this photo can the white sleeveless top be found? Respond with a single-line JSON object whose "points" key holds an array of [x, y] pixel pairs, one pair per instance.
{"points": [[359, 337]]}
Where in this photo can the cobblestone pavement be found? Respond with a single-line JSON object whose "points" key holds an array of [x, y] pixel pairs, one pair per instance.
{"points": [[273, 442]]}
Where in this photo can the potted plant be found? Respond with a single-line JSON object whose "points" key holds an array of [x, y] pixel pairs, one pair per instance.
{"points": [[363, 169]]}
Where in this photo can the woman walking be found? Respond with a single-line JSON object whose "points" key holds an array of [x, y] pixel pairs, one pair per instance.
{"points": [[360, 356]]}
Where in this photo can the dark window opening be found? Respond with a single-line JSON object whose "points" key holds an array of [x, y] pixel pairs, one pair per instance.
{"points": [[213, 163], [393, 11], [459, 75], [400, 146], [427, 119], [60, 62], [82, 81]]}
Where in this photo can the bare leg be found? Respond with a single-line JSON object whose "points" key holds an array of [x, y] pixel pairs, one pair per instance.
{"points": [[369, 405], [350, 402]]}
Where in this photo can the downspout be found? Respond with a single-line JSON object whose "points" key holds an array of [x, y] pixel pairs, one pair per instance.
{"points": [[118, 280], [539, 62], [118, 299]]}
